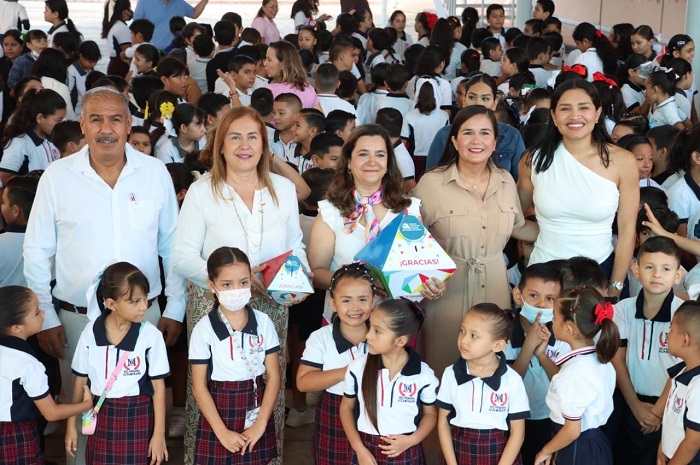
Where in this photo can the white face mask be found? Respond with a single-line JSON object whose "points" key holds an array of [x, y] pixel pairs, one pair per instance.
{"points": [[35, 54], [529, 312], [235, 299]]}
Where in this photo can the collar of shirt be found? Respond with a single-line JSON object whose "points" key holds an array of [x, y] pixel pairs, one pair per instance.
{"points": [[12, 342], [341, 344], [78, 68], [82, 162], [16, 228], [686, 377], [575, 353], [53, 29], [664, 314], [692, 184], [666, 102], [36, 139], [99, 330], [251, 327], [412, 366], [393, 95], [634, 86], [494, 381], [451, 174]]}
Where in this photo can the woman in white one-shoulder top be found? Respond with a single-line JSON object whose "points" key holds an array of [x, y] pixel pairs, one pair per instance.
{"points": [[578, 181]]}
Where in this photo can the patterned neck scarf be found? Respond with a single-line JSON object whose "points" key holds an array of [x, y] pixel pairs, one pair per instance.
{"points": [[363, 207]]}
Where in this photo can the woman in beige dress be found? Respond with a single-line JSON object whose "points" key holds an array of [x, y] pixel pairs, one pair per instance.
{"points": [[471, 207]]}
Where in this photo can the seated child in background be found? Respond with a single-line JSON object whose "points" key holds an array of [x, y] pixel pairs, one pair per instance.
{"points": [[146, 58], [141, 33], [307, 124], [629, 127], [396, 81], [539, 51], [531, 350], [140, 139], [284, 112], [214, 107], [515, 60], [641, 148], [368, 102], [341, 123], [88, 56], [142, 87], [533, 27], [642, 361], [67, 137], [680, 435], [204, 48], [188, 124], [470, 61], [15, 206], [492, 52], [391, 120], [325, 150]]}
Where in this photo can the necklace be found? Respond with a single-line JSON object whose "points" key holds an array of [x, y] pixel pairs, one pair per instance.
{"points": [[253, 249], [474, 186]]}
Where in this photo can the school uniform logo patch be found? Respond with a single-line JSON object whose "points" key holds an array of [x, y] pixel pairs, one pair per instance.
{"points": [[407, 392], [498, 402], [256, 342], [132, 366], [663, 343], [678, 404]]}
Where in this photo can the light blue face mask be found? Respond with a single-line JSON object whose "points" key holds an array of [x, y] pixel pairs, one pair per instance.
{"points": [[645, 69], [529, 312]]}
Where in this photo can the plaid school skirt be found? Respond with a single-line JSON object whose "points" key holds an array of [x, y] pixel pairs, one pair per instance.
{"points": [[19, 443], [480, 446], [329, 445], [412, 456], [124, 429], [232, 400]]}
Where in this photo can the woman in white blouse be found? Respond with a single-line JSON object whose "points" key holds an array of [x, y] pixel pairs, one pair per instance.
{"points": [[239, 204]]}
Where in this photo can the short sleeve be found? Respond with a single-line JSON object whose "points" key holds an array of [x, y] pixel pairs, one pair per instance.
{"points": [[519, 405], [34, 380], [428, 395], [200, 343], [573, 400], [445, 94], [165, 152], [157, 355], [351, 384], [510, 353], [129, 51], [620, 319], [414, 208], [122, 34], [331, 215], [13, 157], [272, 341], [677, 201], [186, 9], [692, 405], [447, 385], [315, 351], [406, 165], [81, 361], [671, 114]]}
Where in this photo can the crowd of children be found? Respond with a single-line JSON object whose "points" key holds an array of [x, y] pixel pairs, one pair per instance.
{"points": [[567, 374]]}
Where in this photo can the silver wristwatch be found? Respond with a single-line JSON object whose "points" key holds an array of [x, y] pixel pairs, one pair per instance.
{"points": [[616, 285]]}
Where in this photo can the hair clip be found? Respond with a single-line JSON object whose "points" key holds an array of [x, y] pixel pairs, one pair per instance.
{"points": [[578, 68], [598, 76], [603, 312], [598, 33]]}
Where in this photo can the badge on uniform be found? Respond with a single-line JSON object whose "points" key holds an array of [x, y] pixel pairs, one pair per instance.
{"points": [[251, 417]]}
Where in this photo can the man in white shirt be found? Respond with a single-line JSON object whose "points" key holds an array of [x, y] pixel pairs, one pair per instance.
{"points": [[105, 203]]}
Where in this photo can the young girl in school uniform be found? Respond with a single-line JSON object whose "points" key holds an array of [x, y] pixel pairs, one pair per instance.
{"points": [[328, 352], [188, 123], [131, 422], [20, 318], [660, 92], [230, 351], [390, 387], [482, 401], [580, 397]]}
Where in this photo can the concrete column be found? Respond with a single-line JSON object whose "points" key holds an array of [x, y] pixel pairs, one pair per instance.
{"points": [[523, 12], [692, 28]]}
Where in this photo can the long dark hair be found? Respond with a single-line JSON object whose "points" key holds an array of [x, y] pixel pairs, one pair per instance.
{"points": [[675, 44], [309, 7], [119, 280], [61, 7], [34, 103], [120, 6], [687, 142], [340, 190], [623, 31], [579, 306], [543, 153], [51, 63], [441, 37], [14, 301], [428, 60], [450, 155], [405, 319], [603, 47]]}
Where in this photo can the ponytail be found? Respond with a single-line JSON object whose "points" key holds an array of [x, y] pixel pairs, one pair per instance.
{"points": [[609, 341], [603, 47], [425, 101], [405, 319]]}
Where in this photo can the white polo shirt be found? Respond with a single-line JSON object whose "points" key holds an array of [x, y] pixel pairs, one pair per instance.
{"points": [[327, 349], [666, 112], [399, 400], [83, 224], [212, 344], [483, 403], [12, 263], [330, 102], [647, 342], [23, 380], [632, 95], [684, 197], [592, 61], [582, 390], [536, 380], [171, 152], [281, 149], [404, 161], [26, 153], [422, 129], [367, 106], [96, 358], [682, 409]]}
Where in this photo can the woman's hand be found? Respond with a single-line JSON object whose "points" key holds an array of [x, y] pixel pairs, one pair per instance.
{"points": [[433, 289], [257, 282]]}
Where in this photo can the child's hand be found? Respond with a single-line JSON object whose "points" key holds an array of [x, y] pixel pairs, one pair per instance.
{"points": [[228, 80], [158, 450], [232, 441], [396, 444], [644, 415], [253, 435], [365, 457], [661, 459], [532, 338], [71, 437], [543, 459]]}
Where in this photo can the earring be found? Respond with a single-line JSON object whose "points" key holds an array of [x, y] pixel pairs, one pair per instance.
{"points": [[349, 170]]}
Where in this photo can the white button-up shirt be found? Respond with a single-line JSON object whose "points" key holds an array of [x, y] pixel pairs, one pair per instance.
{"points": [[84, 224]]}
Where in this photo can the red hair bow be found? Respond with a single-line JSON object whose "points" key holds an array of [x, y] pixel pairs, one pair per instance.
{"points": [[598, 76], [598, 34], [431, 18], [603, 312], [579, 69]]}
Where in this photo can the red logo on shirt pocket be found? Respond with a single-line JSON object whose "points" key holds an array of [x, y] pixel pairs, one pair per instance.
{"points": [[678, 404], [498, 402], [256, 341], [407, 392], [131, 366], [663, 343]]}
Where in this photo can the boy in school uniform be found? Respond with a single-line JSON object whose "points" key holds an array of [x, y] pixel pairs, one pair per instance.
{"points": [[492, 51], [239, 88], [214, 107], [642, 361], [17, 199], [539, 53], [341, 123], [530, 356], [327, 80], [397, 82], [308, 123], [680, 436], [141, 33], [284, 112], [368, 102], [325, 150], [68, 137]]}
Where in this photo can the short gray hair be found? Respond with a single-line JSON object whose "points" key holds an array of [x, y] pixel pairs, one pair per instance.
{"points": [[101, 92]]}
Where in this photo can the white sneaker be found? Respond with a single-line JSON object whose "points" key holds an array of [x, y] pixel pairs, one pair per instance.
{"points": [[176, 428], [297, 418]]}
